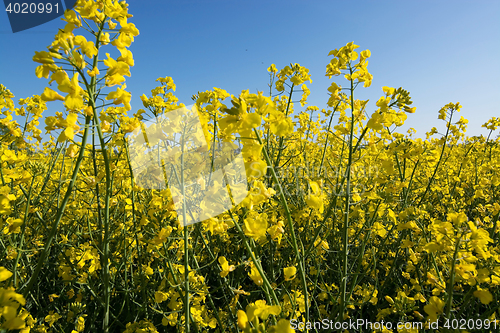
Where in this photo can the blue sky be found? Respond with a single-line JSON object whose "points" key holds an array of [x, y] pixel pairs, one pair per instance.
{"points": [[440, 51]]}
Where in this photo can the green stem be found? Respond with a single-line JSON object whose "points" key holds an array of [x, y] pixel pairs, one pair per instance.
{"points": [[345, 228], [290, 226], [43, 255], [280, 147], [438, 163], [449, 302], [254, 260], [25, 222]]}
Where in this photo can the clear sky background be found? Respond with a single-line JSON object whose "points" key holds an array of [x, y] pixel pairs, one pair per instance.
{"points": [[440, 51]]}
